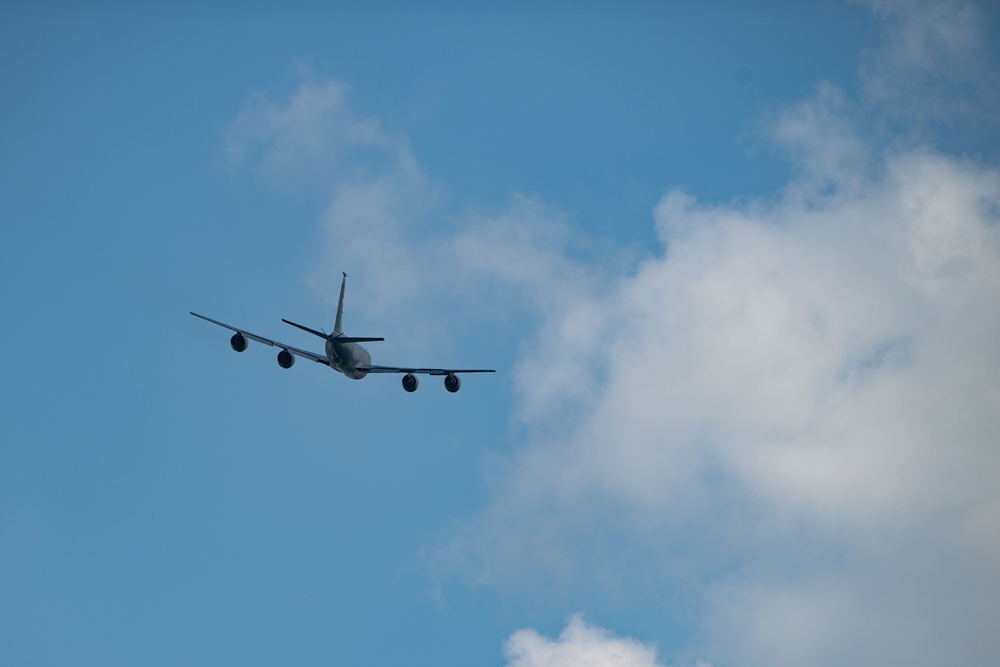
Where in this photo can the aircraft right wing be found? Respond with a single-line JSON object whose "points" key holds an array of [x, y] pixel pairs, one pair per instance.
{"points": [[305, 354], [427, 371]]}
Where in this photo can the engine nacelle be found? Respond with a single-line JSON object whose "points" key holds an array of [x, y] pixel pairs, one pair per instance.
{"points": [[239, 342], [410, 382], [452, 383], [286, 359]]}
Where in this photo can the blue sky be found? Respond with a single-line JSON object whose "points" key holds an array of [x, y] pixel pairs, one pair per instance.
{"points": [[737, 269]]}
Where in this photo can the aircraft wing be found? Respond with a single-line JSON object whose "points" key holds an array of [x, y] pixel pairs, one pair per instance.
{"points": [[305, 354], [427, 371]]}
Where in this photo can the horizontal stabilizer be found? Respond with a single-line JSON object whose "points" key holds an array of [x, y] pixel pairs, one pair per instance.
{"points": [[312, 331], [339, 339]]}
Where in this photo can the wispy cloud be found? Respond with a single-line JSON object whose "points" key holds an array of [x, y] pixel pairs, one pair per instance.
{"points": [[933, 66], [314, 139], [377, 196]]}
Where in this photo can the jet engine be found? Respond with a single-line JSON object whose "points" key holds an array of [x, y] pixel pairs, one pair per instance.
{"points": [[286, 359], [452, 383], [239, 342], [410, 382]]}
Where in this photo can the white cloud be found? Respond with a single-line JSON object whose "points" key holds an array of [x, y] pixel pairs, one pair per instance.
{"points": [[833, 360], [579, 645], [834, 363]]}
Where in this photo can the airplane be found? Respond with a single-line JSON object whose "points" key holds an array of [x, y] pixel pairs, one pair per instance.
{"points": [[343, 354]]}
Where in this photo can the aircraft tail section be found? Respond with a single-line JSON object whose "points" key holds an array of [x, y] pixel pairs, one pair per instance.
{"points": [[340, 339], [338, 327], [338, 330]]}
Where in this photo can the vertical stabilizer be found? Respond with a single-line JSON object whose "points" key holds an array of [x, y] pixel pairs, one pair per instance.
{"points": [[338, 327]]}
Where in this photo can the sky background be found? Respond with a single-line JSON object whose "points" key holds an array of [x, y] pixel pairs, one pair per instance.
{"points": [[738, 269]]}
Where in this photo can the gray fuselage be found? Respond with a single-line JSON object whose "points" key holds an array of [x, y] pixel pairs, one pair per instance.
{"points": [[346, 357]]}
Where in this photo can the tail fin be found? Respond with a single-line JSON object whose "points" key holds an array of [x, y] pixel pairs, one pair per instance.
{"points": [[338, 327]]}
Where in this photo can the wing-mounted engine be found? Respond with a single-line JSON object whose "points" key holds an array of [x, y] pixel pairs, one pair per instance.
{"points": [[410, 382], [286, 359], [452, 382], [239, 342]]}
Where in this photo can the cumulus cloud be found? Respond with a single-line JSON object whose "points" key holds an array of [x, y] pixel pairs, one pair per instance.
{"points": [[832, 362], [579, 645]]}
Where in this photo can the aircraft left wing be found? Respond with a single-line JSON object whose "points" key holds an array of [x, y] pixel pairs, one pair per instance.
{"points": [[305, 354], [427, 371]]}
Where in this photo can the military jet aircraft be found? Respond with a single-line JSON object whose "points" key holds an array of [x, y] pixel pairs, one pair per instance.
{"points": [[343, 353]]}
